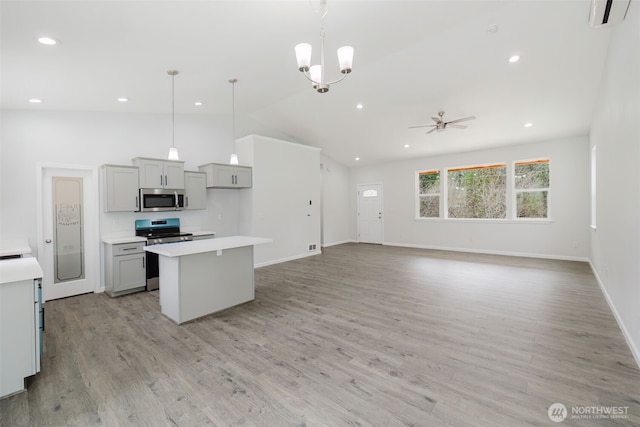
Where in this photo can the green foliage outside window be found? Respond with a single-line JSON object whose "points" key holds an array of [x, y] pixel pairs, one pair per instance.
{"points": [[429, 194], [479, 192], [532, 184]]}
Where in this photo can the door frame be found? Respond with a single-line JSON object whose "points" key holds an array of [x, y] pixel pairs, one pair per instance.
{"points": [[91, 209], [358, 210]]}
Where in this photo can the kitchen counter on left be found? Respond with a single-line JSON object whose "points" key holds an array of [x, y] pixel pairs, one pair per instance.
{"points": [[119, 240]]}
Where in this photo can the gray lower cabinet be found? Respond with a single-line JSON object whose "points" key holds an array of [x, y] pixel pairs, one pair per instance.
{"points": [[125, 269]]}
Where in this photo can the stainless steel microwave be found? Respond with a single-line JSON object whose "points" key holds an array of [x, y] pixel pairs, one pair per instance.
{"points": [[159, 199]]}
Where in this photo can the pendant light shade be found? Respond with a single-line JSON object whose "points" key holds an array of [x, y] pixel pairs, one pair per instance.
{"points": [[173, 151], [173, 154]]}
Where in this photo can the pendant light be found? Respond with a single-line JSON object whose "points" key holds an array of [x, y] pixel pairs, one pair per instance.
{"points": [[234, 157], [173, 151]]}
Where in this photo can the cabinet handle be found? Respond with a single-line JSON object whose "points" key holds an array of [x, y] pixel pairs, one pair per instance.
{"points": [[136, 201], [165, 180], [143, 262], [129, 249], [160, 180], [187, 201]]}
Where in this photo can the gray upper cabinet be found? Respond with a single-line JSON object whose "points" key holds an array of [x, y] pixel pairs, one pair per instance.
{"points": [[158, 173], [195, 189], [119, 188], [220, 175]]}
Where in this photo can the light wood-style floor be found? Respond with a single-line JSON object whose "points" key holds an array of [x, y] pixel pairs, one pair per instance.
{"points": [[361, 335]]}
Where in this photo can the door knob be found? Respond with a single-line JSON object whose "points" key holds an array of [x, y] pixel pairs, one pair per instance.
{"points": [[48, 241]]}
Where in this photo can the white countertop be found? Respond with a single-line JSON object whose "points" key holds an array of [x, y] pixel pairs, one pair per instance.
{"points": [[207, 245], [18, 269], [117, 240], [10, 247]]}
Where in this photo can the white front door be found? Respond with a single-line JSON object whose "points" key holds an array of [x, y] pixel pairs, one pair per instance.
{"points": [[370, 213], [68, 248]]}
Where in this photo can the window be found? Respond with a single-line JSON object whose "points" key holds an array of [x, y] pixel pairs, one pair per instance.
{"points": [[370, 193], [477, 192], [531, 181], [429, 193]]}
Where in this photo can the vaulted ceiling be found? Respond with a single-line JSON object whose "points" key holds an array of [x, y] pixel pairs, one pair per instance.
{"points": [[412, 59]]}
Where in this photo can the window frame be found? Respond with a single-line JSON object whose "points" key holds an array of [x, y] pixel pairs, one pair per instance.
{"points": [[511, 193], [476, 166], [515, 191], [419, 195]]}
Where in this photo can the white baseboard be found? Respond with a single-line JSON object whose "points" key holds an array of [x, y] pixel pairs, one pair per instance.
{"points": [[342, 242], [634, 349], [489, 252], [291, 258]]}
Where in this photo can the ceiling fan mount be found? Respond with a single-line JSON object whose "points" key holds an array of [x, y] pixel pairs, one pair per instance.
{"points": [[442, 125]]}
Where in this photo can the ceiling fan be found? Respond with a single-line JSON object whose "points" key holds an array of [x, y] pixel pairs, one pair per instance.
{"points": [[442, 125]]}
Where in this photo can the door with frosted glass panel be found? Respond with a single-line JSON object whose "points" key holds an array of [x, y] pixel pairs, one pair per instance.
{"points": [[70, 247]]}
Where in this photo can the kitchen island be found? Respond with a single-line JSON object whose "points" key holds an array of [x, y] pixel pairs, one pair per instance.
{"points": [[205, 276]]}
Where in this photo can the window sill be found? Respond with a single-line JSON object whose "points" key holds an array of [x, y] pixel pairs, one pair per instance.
{"points": [[486, 220]]}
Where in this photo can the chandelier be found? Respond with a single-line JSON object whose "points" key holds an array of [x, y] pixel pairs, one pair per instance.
{"points": [[316, 73]]}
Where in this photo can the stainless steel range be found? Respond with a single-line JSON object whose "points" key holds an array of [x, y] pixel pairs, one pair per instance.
{"points": [[159, 231]]}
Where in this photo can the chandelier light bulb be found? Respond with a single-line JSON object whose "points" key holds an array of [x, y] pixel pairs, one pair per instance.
{"points": [[303, 56], [345, 59]]}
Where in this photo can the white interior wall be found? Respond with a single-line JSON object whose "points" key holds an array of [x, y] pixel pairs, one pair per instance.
{"points": [[284, 199], [615, 243], [92, 139], [565, 236], [335, 202]]}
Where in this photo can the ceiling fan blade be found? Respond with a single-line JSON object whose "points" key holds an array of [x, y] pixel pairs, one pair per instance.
{"points": [[435, 119], [431, 131], [464, 119], [456, 126], [421, 126]]}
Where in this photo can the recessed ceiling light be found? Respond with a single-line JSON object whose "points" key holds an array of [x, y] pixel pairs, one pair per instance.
{"points": [[514, 58], [49, 41], [35, 101], [359, 106], [492, 29], [123, 99], [197, 103], [357, 158], [406, 145], [528, 125]]}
